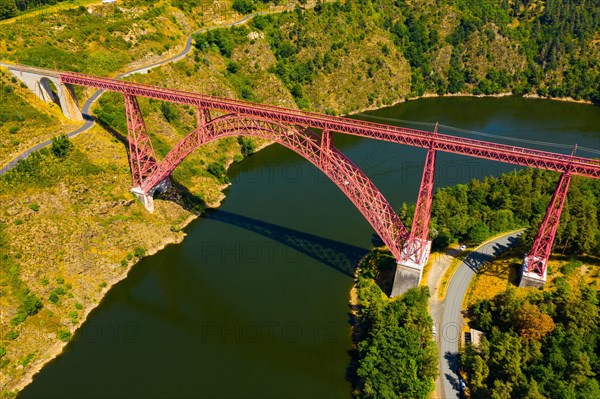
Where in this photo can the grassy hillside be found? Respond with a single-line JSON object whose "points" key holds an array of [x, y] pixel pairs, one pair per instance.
{"points": [[25, 120]]}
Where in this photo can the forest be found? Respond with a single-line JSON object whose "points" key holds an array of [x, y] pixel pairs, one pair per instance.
{"points": [[397, 357], [543, 345], [475, 211], [10, 8], [522, 47]]}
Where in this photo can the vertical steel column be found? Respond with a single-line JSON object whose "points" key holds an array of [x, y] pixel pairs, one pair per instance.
{"points": [[141, 153], [326, 144], [418, 239], [202, 118], [535, 261]]}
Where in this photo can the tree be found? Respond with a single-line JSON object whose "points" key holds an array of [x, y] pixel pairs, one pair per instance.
{"points": [[478, 232], [61, 145], [531, 323], [243, 6], [218, 170], [247, 146], [8, 9]]}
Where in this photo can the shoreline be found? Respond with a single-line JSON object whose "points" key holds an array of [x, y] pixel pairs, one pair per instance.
{"points": [[375, 107], [59, 347]]}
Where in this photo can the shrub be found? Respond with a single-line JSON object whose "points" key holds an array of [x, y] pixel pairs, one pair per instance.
{"points": [[61, 145], [31, 304], [64, 335], [247, 145], [13, 334], [139, 252], [570, 267], [27, 359], [2, 352], [53, 298], [168, 112], [18, 318], [243, 6], [217, 169], [34, 207], [232, 67]]}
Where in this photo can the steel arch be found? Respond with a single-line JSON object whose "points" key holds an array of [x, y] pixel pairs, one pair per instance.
{"points": [[316, 149]]}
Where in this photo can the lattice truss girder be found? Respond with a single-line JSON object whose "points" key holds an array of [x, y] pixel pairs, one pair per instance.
{"points": [[288, 126], [470, 147]]}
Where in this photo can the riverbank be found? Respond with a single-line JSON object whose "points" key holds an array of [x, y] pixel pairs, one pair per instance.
{"points": [[466, 94], [59, 346], [391, 336]]}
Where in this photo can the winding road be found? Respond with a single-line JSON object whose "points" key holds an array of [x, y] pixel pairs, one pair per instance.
{"points": [[447, 314], [85, 110]]}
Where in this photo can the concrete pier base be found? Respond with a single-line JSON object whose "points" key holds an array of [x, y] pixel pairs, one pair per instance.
{"points": [[529, 279], [532, 280], [409, 273], [406, 277], [148, 199]]}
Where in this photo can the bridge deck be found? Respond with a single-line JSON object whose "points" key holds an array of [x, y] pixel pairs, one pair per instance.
{"points": [[34, 70], [418, 138]]}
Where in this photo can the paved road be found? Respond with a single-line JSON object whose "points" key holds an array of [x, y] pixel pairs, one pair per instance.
{"points": [[85, 110], [450, 326]]}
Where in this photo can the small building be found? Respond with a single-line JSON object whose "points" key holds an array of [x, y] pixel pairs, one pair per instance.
{"points": [[108, 1], [476, 337]]}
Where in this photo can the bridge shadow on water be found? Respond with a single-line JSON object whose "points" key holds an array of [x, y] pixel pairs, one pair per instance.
{"points": [[340, 256], [337, 255]]}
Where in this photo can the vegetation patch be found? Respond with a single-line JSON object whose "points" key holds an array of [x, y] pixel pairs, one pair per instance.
{"points": [[542, 345], [396, 356]]}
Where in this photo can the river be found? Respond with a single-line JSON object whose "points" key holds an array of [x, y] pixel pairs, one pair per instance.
{"points": [[254, 302]]}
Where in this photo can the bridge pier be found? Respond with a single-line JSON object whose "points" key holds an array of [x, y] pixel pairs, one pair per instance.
{"points": [[533, 270], [39, 82], [531, 279], [417, 247], [406, 277], [147, 199]]}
